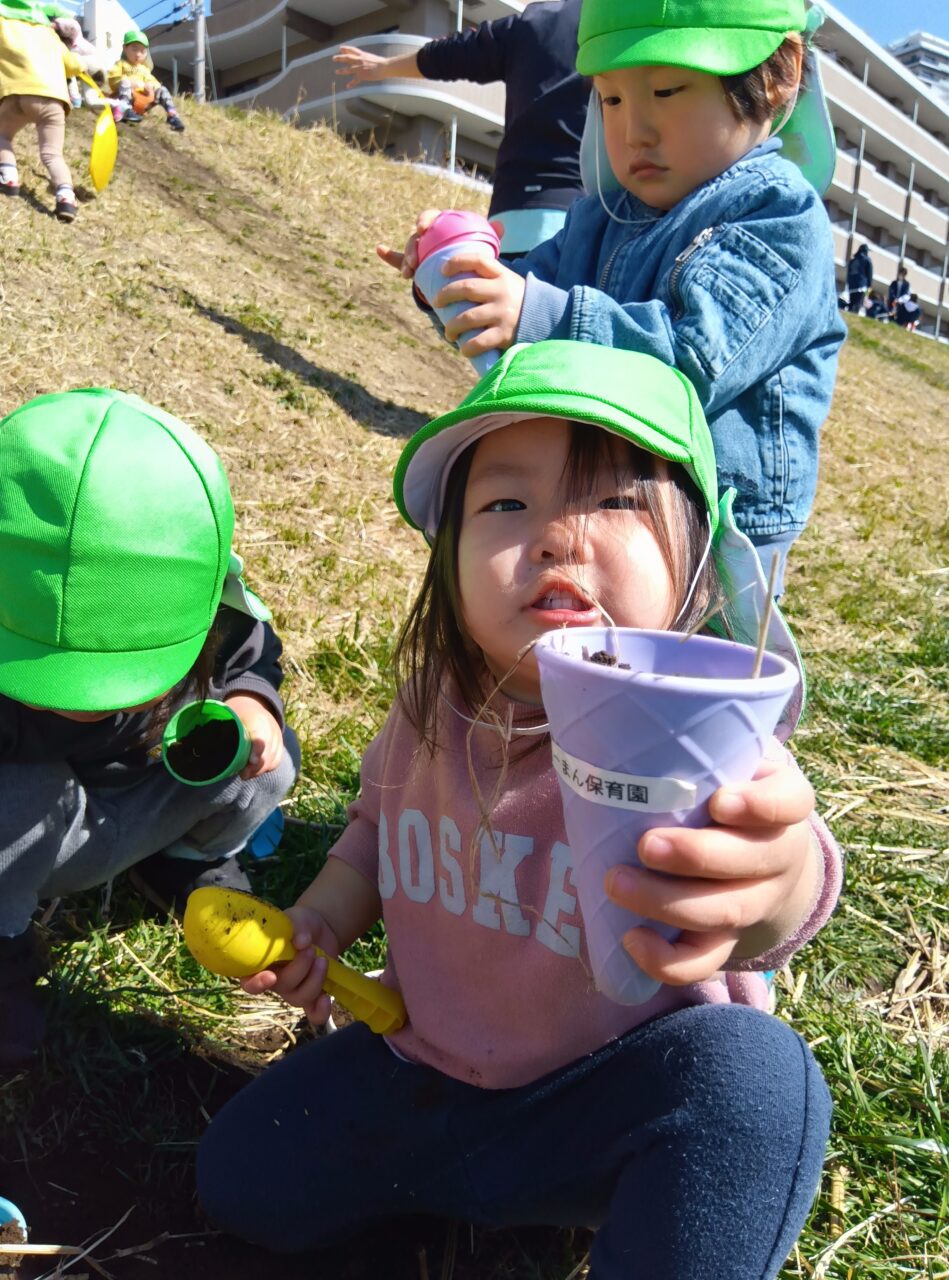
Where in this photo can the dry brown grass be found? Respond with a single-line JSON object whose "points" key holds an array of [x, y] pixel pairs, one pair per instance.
{"points": [[229, 275]]}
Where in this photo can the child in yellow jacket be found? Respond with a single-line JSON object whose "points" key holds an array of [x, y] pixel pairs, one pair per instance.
{"points": [[133, 87], [33, 68]]}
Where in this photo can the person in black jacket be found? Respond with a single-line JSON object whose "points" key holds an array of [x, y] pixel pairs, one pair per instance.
{"points": [[859, 278], [898, 290], [121, 603], [537, 174]]}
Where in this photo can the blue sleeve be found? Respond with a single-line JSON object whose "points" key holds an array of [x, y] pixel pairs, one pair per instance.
{"points": [[738, 310]]}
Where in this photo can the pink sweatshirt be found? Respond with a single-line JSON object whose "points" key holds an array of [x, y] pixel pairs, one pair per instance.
{"points": [[485, 937]]}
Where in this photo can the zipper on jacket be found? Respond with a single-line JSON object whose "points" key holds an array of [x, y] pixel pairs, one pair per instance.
{"points": [[604, 274], [700, 241]]}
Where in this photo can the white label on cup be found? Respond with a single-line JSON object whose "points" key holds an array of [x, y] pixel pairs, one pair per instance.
{"points": [[622, 790]]}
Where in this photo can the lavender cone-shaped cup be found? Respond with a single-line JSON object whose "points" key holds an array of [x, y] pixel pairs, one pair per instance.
{"points": [[646, 747], [452, 232]]}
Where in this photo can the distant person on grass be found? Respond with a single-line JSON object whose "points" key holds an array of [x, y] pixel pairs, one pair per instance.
{"points": [[537, 172], [135, 89], [909, 312], [859, 278], [574, 486], [34, 64], [709, 250], [120, 601], [899, 289]]}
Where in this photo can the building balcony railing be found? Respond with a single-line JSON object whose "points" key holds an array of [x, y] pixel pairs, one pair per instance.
{"points": [[308, 88], [851, 97]]}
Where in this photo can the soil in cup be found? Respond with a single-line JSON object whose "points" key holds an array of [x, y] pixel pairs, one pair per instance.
{"points": [[206, 751], [604, 659]]}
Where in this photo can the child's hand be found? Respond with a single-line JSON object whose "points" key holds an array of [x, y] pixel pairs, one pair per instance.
{"points": [[497, 296], [263, 729], [300, 980], [407, 260], [734, 889]]}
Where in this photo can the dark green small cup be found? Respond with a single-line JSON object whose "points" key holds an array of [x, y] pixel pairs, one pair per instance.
{"points": [[204, 742]]}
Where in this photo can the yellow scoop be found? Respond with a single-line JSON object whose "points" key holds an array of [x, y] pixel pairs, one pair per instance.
{"points": [[236, 934], [105, 142]]}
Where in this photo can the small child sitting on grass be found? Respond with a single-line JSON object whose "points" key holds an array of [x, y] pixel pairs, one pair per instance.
{"points": [[135, 89]]}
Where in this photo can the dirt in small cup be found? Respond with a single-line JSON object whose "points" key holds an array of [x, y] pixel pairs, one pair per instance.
{"points": [[206, 751], [604, 659]]}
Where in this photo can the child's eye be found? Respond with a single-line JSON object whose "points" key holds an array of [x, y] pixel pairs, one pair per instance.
{"points": [[668, 93], [621, 502], [504, 504], [609, 100]]}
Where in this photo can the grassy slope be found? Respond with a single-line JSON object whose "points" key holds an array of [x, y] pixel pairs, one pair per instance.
{"points": [[229, 275]]}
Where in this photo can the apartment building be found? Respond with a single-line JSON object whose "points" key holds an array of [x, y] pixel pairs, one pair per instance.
{"points": [[927, 56], [890, 188]]}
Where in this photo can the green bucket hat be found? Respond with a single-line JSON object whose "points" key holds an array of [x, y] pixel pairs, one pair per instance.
{"points": [[134, 36], [634, 396], [720, 37], [115, 540]]}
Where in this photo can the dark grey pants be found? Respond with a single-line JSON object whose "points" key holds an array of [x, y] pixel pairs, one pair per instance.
{"points": [[57, 837]]}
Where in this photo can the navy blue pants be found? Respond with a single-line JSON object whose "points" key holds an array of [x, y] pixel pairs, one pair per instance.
{"points": [[694, 1146]]}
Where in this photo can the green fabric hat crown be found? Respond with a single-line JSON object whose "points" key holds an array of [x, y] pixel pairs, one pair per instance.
{"points": [[722, 37], [134, 36], [115, 538], [632, 395]]}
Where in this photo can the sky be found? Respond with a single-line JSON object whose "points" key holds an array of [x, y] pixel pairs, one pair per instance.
{"points": [[886, 20]]}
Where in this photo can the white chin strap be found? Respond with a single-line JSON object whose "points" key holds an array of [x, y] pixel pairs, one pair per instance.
{"points": [[695, 579], [597, 137]]}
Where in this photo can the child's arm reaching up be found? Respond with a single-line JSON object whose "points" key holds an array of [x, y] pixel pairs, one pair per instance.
{"points": [[740, 889], [495, 292], [337, 908]]}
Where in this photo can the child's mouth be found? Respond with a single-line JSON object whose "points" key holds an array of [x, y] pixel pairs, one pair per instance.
{"points": [[556, 601]]}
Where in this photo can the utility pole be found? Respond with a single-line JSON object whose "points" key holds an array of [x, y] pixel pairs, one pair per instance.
{"points": [[459, 21], [197, 11]]}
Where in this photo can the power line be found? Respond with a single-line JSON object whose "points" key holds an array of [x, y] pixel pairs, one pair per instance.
{"points": [[157, 4]]}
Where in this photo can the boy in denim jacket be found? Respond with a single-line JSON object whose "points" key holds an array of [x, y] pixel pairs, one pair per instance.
{"points": [[713, 253]]}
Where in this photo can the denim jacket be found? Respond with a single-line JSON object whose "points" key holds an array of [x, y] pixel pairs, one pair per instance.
{"points": [[734, 286]]}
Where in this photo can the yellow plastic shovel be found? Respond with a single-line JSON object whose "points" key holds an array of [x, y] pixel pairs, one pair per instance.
{"points": [[236, 934], [105, 142]]}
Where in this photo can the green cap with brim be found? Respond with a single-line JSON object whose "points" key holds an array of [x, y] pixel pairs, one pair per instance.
{"points": [[135, 37], [579, 381], [632, 395], [115, 537], [720, 37]]}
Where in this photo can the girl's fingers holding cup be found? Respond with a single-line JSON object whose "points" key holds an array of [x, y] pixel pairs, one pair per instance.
{"points": [[689, 958], [703, 906], [778, 795], [712, 853]]}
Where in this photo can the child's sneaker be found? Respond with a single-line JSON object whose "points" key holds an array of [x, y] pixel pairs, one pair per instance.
{"points": [[129, 116], [176, 123], [9, 180], [66, 208], [166, 881], [22, 1012]]}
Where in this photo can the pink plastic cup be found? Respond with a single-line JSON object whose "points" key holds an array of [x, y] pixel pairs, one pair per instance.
{"points": [[646, 747], [451, 232]]}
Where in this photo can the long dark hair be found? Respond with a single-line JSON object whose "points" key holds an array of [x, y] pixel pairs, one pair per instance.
{"points": [[434, 647]]}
